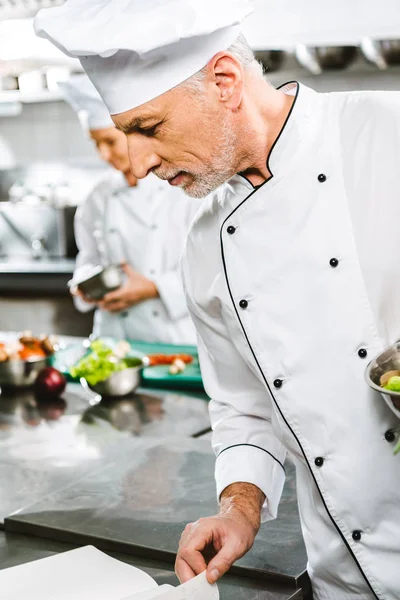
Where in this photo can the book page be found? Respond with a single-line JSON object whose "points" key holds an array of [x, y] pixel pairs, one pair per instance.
{"points": [[197, 588], [81, 574]]}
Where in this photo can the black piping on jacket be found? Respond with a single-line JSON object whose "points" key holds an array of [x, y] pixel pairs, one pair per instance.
{"points": [[255, 357]]}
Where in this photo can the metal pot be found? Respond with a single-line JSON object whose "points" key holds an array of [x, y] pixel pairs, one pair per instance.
{"points": [[271, 60], [382, 53], [325, 58]]}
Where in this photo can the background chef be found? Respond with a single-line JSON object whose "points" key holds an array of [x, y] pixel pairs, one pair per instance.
{"points": [[143, 225], [283, 270]]}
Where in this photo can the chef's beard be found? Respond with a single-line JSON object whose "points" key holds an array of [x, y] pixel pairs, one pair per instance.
{"points": [[222, 166]]}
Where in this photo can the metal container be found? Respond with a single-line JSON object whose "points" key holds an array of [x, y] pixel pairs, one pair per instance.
{"points": [[386, 361], [382, 53], [121, 383], [21, 373], [271, 60], [100, 281], [325, 58]]}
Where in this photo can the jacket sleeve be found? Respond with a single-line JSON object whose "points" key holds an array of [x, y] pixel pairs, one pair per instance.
{"points": [[88, 254], [170, 288], [246, 447], [169, 284]]}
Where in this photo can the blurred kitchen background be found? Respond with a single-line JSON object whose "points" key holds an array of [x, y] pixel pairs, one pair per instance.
{"points": [[47, 166]]}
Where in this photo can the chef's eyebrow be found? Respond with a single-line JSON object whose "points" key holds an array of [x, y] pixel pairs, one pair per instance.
{"points": [[138, 125]]}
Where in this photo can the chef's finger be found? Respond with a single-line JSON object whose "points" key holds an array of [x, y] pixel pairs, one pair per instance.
{"points": [[112, 296], [117, 307], [223, 561], [194, 561], [183, 571]]}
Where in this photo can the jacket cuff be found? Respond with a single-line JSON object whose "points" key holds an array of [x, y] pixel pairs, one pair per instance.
{"points": [[170, 289], [250, 464], [82, 306]]}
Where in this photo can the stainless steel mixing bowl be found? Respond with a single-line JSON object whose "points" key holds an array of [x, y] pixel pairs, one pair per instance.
{"points": [[21, 373], [121, 383], [388, 360]]}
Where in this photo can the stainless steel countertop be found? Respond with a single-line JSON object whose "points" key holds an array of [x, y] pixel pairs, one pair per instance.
{"points": [[18, 549], [45, 446]]}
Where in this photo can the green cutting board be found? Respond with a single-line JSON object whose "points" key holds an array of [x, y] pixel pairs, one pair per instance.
{"points": [[155, 377]]}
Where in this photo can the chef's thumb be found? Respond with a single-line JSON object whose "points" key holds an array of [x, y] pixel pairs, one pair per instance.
{"points": [[221, 563]]}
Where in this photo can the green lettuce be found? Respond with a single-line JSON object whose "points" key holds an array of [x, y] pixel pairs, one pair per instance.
{"points": [[100, 363]]}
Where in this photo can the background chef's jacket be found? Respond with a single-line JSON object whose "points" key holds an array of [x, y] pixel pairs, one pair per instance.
{"points": [[145, 226]]}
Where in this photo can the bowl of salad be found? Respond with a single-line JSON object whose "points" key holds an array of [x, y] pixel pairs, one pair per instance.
{"points": [[383, 372], [109, 371], [23, 357]]}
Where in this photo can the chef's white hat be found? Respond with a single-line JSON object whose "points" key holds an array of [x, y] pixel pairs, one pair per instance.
{"points": [[135, 50], [85, 100]]}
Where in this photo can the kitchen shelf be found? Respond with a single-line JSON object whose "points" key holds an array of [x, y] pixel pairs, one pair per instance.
{"points": [[31, 98]]}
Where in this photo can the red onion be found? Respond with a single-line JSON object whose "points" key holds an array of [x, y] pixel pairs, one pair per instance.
{"points": [[50, 383]]}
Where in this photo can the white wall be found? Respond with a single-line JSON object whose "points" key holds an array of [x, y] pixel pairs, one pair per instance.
{"points": [[45, 132]]}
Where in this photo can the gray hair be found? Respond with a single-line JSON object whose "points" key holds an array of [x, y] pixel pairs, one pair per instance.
{"points": [[242, 52]]}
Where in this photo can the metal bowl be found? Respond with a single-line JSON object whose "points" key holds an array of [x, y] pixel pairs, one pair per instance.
{"points": [[388, 360], [271, 60], [121, 383], [100, 282], [21, 373], [325, 58], [381, 53]]}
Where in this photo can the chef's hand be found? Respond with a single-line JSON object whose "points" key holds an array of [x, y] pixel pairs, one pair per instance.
{"points": [[215, 543], [137, 288]]}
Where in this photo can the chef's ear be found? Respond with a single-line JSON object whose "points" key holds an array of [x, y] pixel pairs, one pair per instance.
{"points": [[226, 74]]}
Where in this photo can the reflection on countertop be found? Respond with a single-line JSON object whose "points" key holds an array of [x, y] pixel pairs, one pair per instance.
{"points": [[46, 445]]}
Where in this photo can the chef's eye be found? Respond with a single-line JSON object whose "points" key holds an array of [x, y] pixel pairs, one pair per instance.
{"points": [[149, 131]]}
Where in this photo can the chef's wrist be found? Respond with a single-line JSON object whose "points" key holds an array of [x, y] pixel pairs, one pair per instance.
{"points": [[151, 290], [243, 501], [147, 291]]}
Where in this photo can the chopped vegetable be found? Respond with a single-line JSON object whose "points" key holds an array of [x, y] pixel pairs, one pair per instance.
{"points": [[386, 376], [169, 359], [102, 362], [27, 347], [393, 384]]}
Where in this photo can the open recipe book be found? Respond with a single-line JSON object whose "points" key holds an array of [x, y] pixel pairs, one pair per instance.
{"points": [[88, 574]]}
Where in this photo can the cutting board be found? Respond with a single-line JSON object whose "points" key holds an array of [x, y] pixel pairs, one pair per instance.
{"points": [[155, 377]]}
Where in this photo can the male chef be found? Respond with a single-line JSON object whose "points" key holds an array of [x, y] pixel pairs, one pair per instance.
{"points": [[291, 269]]}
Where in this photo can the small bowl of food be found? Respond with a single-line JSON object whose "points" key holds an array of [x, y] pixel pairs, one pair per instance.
{"points": [[109, 371], [98, 281], [22, 359], [383, 372]]}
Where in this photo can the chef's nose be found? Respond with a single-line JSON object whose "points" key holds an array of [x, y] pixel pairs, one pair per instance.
{"points": [[142, 157], [105, 152]]}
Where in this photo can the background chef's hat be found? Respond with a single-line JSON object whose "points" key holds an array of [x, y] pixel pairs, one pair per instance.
{"points": [[85, 100], [135, 50]]}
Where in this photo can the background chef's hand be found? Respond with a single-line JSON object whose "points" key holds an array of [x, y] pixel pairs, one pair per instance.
{"points": [[215, 543], [137, 288]]}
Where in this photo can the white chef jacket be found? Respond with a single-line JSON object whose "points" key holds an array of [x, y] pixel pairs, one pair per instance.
{"points": [[146, 226], [294, 286]]}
